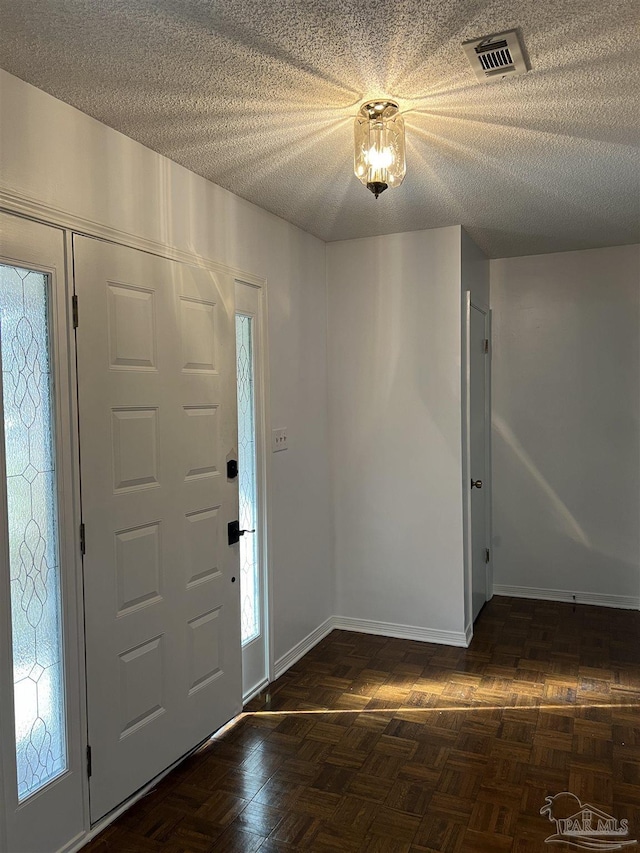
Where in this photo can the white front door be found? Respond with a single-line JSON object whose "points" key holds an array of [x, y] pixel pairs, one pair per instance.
{"points": [[157, 411], [478, 373]]}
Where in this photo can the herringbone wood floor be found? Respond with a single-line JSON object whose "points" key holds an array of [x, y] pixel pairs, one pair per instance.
{"points": [[373, 744]]}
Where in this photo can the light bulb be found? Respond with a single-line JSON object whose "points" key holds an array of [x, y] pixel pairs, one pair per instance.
{"points": [[380, 159]]}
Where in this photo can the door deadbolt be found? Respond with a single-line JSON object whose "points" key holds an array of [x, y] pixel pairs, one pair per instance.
{"points": [[477, 484]]}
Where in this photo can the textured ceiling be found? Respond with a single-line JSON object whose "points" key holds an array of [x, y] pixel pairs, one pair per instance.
{"points": [[259, 97]]}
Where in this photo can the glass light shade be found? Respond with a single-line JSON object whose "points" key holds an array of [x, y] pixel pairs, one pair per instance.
{"points": [[379, 159]]}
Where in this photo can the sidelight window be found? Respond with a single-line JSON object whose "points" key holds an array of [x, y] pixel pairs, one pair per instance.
{"points": [[31, 531], [249, 576]]}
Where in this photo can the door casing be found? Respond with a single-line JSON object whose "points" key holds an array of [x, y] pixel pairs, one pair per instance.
{"points": [[44, 247], [251, 300]]}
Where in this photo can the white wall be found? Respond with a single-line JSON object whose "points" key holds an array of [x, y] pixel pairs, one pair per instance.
{"points": [[566, 423], [395, 404], [58, 156]]}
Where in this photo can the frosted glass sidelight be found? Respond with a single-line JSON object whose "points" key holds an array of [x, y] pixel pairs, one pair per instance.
{"points": [[38, 684], [249, 577]]}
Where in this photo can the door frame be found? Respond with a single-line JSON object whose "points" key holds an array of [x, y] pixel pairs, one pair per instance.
{"points": [[263, 470], [65, 424], [35, 210], [470, 302]]}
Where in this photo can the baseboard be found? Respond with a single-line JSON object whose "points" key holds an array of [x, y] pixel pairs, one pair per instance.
{"points": [[367, 626], [622, 602], [468, 634], [402, 632], [305, 645]]}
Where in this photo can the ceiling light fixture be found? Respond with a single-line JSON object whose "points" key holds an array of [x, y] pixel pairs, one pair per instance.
{"points": [[379, 160]]}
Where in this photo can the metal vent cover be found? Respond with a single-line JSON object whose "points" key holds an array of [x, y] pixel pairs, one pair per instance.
{"points": [[496, 56]]}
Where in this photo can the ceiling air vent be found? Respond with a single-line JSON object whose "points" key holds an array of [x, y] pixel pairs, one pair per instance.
{"points": [[496, 56]]}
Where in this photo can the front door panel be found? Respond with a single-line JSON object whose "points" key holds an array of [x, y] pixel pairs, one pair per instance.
{"points": [[156, 375]]}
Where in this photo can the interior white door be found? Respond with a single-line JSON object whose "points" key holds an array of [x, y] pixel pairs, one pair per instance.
{"points": [[478, 331], [157, 408]]}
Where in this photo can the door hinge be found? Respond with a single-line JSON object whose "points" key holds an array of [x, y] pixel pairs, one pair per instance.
{"points": [[485, 345], [83, 543], [487, 556], [74, 309], [88, 761]]}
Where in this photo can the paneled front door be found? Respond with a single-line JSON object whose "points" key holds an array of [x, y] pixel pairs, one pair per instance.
{"points": [[157, 408]]}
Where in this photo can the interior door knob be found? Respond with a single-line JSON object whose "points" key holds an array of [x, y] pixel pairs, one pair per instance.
{"points": [[476, 484]]}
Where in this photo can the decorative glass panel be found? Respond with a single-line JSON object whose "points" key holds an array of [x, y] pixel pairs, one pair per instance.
{"points": [[249, 577], [41, 752]]}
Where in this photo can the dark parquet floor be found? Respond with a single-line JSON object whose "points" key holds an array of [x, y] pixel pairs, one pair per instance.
{"points": [[373, 745]]}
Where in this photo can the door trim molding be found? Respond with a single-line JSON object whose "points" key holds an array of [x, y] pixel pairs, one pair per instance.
{"points": [[622, 602], [17, 203], [466, 459], [468, 634], [64, 421]]}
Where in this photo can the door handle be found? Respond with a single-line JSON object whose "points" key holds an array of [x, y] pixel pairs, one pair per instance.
{"points": [[234, 533], [476, 484]]}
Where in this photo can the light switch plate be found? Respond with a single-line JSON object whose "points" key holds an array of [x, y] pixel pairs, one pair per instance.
{"points": [[278, 440]]}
